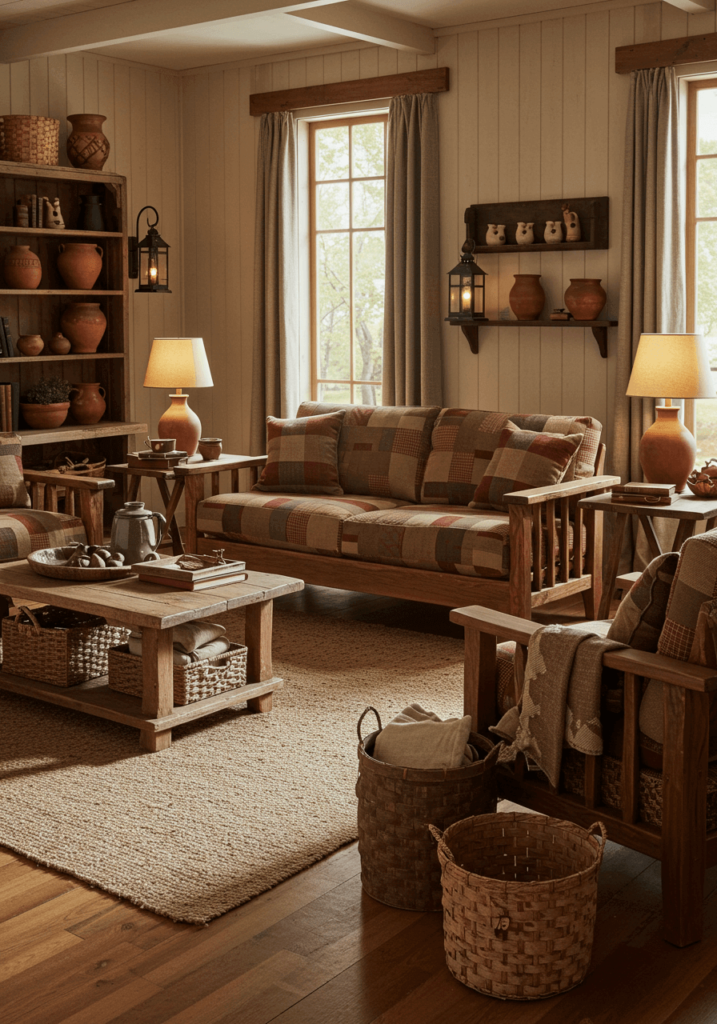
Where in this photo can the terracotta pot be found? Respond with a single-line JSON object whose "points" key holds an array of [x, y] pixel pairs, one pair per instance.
{"points": [[84, 324], [44, 417], [29, 344], [22, 268], [59, 345], [88, 405], [210, 448], [585, 297], [527, 297], [87, 145], [80, 264]]}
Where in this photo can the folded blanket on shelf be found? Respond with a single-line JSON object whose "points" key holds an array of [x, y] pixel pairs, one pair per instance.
{"points": [[416, 738], [180, 657]]}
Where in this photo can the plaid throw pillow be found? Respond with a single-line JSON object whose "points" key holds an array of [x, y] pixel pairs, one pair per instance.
{"points": [[583, 465], [641, 613], [13, 493], [302, 455], [524, 459]]}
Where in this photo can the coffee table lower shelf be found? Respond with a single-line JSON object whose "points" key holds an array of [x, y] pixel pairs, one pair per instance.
{"points": [[96, 698]]}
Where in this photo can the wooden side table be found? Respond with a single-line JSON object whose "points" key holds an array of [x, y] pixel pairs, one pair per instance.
{"points": [[689, 510], [195, 469]]}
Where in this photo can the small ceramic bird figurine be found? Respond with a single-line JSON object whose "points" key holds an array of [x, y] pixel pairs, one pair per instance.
{"points": [[524, 233], [553, 231], [495, 234], [572, 224], [53, 214]]}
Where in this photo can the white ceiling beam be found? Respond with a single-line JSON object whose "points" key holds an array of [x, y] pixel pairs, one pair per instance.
{"points": [[127, 21], [371, 25], [693, 6]]}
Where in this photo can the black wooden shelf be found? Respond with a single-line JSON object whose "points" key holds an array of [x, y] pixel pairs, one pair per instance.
{"points": [[593, 212], [598, 327]]}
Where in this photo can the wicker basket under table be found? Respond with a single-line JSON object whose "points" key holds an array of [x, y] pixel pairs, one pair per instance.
{"points": [[226, 671], [58, 646]]}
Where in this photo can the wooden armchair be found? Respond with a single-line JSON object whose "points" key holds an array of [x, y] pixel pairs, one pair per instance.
{"points": [[84, 498]]}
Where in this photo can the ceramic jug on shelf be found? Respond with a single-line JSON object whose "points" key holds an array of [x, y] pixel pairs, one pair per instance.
{"points": [[134, 534]]}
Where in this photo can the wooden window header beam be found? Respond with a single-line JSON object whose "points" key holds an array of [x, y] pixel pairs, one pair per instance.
{"points": [[665, 54], [410, 83]]}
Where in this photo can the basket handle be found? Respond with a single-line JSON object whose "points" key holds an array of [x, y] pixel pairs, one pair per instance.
{"points": [[443, 847], [598, 825], [363, 715], [35, 624]]}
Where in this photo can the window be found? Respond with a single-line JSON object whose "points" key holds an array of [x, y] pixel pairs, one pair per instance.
{"points": [[347, 190], [702, 243]]}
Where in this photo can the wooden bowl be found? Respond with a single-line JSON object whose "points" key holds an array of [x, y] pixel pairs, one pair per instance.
{"points": [[703, 488], [50, 562]]}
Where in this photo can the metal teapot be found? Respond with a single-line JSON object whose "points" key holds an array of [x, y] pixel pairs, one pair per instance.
{"points": [[134, 535]]}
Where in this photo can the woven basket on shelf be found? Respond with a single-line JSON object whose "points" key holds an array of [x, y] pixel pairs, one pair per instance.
{"points": [[519, 902], [201, 679], [399, 864], [57, 646], [29, 139]]}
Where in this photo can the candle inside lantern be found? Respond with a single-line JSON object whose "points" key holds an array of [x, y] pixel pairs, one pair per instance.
{"points": [[466, 297]]}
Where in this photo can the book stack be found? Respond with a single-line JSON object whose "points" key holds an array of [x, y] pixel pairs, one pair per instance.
{"points": [[152, 460], [166, 572], [644, 494]]}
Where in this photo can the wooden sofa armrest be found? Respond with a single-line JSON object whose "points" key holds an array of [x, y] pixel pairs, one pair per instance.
{"points": [[192, 474], [583, 487], [84, 497], [88, 483]]}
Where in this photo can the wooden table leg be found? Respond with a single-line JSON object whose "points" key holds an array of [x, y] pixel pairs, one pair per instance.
{"points": [[685, 530], [618, 533], [259, 619], [133, 486], [157, 683], [170, 507], [650, 535]]}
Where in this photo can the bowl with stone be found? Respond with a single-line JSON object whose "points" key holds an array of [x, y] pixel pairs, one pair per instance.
{"points": [[90, 563]]}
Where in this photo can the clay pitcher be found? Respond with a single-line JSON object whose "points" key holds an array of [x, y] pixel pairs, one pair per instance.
{"points": [[79, 264], [87, 145], [88, 405], [585, 297], [84, 324], [22, 268], [527, 297]]}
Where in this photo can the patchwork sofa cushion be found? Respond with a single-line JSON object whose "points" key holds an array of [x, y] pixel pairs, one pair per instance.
{"points": [[641, 613], [382, 449], [583, 465], [302, 455], [462, 444], [26, 530], [524, 459], [284, 520], [13, 493]]}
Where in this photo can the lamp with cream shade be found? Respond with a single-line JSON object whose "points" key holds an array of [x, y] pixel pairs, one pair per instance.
{"points": [[677, 365], [179, 363]]}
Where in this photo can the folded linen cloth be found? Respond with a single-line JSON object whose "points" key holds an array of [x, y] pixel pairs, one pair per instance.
{"points": [[180, 657], [191, 635], [416, 738]]}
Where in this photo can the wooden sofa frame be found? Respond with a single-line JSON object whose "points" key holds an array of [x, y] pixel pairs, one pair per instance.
{"points": [[683, 845], [84, 497], [531, 583]]}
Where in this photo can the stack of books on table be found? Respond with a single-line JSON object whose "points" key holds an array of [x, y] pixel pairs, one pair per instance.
{"points": [[644, 494], [166, 573]]}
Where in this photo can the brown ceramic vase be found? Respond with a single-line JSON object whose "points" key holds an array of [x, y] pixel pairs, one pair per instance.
{"points": [[79, 264], [59, 345], [22, 268], [88, 405], [87, 145], [84, 324], [44, 417], [29, 344], [585, 298], [527, 297]]}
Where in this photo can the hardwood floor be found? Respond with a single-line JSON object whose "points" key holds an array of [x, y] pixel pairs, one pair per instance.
{"points": [[316, 949]]}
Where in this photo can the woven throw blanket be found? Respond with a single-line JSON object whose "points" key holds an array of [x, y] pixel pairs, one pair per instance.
{"points": [[561, 698]]}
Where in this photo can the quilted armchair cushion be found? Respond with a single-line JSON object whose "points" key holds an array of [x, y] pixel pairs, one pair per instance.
{"points": [[583, 465], [302, 455], [26, 530], [462, 445], [524, 459], [641, 613], [13, 493]]}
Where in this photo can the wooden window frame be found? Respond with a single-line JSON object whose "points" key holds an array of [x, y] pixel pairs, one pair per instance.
{"points": [[315, 126]]}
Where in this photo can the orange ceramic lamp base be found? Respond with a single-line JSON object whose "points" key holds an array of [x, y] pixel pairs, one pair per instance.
{"points": [[181, 423], [667, 449]]}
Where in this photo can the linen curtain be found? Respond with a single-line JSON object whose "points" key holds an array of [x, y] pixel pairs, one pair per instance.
{"points": [[275, 370], [412, 356]]}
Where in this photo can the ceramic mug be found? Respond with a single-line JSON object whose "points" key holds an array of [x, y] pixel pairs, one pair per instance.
{"points": [[161, 444], [210, 448]]}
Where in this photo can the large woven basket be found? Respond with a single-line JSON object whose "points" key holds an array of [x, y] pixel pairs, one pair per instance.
{"points": [[29, 139], [58, 646], [202, 679], [519, 902], [399, 863]]}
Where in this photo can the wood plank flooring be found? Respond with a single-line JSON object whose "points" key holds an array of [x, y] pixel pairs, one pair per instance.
{"points": [[316, 949]]}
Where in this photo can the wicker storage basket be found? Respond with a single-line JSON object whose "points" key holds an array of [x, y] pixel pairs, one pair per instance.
{"points": [[58, 646], [29, 139], [399, 863], [519, 902], [225, 671]]}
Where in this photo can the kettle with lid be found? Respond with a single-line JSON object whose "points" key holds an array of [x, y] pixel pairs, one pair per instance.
{"points": [[135, 534]]}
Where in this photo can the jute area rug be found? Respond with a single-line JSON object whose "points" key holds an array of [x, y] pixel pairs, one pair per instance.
{"points": [[239, 802]]}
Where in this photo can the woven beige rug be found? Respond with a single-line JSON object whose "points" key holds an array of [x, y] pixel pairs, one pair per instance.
{"points": [[239, 802]]}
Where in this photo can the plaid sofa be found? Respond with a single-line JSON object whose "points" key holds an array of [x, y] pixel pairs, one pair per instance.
{"points": [[409, 476]]}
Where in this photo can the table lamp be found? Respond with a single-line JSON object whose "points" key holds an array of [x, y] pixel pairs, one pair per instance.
{"points": [[179, 363], [676, 365]]}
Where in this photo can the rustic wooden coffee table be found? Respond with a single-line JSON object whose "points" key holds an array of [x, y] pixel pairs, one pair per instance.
{"points": [[154, 610]]}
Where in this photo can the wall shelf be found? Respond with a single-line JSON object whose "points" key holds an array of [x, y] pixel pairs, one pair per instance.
{"points": [[74, 432], [29, 292], [598, 327], [78, 357], [593, 212], [58, 232]]}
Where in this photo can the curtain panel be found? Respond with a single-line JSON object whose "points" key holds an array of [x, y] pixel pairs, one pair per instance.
{"points": [[275, 368], [412, 354]]}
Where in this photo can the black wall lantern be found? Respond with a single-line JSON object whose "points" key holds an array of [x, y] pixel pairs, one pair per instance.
{"points": [[466, 295], [149, 259]]}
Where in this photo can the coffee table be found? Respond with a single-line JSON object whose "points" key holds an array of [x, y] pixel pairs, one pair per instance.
{"points": [[154, 610]]}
